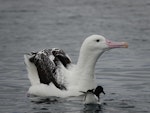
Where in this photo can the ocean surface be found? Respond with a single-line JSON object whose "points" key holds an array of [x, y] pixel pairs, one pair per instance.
{"points": [[32, 25]]}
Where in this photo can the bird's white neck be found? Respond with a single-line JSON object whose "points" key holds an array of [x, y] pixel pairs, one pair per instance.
{"points": [[86, 63]]}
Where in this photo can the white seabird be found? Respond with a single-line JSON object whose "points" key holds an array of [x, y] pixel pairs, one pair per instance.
{"points": [[51, 72]]}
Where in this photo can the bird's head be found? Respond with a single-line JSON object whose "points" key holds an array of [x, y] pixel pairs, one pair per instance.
{"points": [[98, 44]]}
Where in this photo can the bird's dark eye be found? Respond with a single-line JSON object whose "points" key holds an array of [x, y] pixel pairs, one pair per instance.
{"points": [[97, 40]]}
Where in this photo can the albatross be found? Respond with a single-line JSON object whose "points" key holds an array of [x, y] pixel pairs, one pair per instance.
{"points": [[52, 73]]}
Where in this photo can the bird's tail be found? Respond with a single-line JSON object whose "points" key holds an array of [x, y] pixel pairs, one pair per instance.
{"points": [[32, 70]]}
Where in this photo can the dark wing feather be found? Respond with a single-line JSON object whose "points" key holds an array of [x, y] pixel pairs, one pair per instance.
{"points": [[60, 56], [47, 67], [44, 67]]}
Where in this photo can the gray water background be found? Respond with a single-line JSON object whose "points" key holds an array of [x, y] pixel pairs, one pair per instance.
{"points": [[32, 25]]}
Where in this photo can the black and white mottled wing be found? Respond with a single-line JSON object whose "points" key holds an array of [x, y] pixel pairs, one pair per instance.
{"points": [[47, 63]]}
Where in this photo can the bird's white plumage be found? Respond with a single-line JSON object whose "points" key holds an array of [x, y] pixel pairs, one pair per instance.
{"points": [[32, 71], [90, 98], [76, 77]]}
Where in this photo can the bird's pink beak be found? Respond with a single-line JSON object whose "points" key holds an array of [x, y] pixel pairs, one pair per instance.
{"points": [[112, 44]]}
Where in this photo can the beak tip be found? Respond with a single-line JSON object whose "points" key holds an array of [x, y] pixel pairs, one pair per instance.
{"points": [[125, 44], [103, 92]]}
